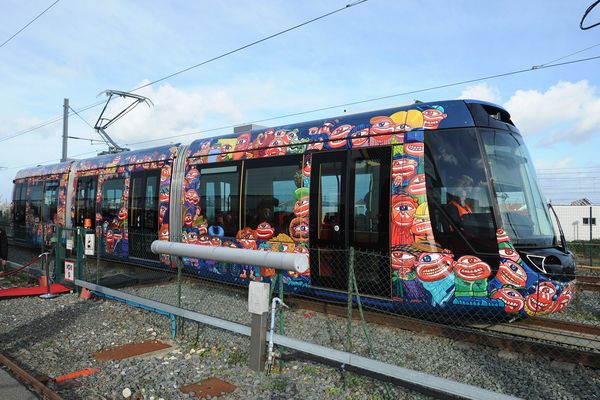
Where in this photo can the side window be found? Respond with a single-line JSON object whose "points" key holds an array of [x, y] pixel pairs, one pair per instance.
{"points": [[35, 201], [85, 200], [50, 201], [19, 204], [219, 199], [112, 198], [269, 194], [460, 208]]}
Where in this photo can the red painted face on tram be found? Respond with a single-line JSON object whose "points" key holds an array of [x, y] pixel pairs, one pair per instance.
{"points": [[205, 148], [204, 240], [381, 125], [264, 231], [511, 273], [192, 174], [242, 143], [110, 238], [471, 268], [277, 148], [163, 233], [163, 197], [248, 244], [193, 238], [512, 299], [564, 298], [403, 169], [502, 236], [433, 267], [360, 138], [417, 185], [510, 254], [229, 244], [306, 169], [225, 149], [299, 229], [432, 118], [541, 299], [421, 227], [215, 241], [403, 262], [165, 174], [189, 219], [337, 138], [414, 149], [192, 197], [403, 209], [315, 146], [122, 214], [301, 207]]}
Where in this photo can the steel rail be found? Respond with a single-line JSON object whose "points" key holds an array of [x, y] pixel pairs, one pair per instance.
{"points": [[24, 376]]}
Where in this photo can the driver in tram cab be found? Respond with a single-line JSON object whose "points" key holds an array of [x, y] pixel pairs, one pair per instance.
{"points": [[458, 207]]}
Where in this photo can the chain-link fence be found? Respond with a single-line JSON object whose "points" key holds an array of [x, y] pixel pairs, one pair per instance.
{"points": [[377, 307], [582, 233]]}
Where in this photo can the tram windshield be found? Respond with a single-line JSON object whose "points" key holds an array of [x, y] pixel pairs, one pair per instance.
{"points": [[523, 211]]}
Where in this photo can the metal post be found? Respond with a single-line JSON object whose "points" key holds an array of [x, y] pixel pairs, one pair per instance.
{"points": [[97, 258], [258, 341], [591, 264], [349, 311], [46, 267], [65, 137], [59, 254]]}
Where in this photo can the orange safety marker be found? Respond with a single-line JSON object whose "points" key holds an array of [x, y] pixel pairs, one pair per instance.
{"points": [[76, 374], [85, 294]]}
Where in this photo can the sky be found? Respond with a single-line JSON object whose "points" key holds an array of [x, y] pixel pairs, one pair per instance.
{"points": [[378, 48]]}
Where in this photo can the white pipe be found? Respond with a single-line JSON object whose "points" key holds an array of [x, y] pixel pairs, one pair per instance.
{"points": [[283, 261], [270, 353]]}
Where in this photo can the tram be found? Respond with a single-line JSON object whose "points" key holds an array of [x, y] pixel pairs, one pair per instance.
{"points": [[438, 201]]}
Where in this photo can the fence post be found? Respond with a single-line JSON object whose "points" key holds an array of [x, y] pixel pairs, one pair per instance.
{"points": [[591, 237], [59, 254], [349, 310], [97, 257], [179, 264]]}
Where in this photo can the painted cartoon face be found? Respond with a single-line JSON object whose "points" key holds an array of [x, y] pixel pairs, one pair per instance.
{"points": [[414, 149], [512, 299], [242, 143], [299, 229], [264, 231], [315, 146], [246, 233], [502, 236], [511, 273], [381, 125], [204, 240], [163, 233], [98, 217], [433, 267], [403, 262], [564, 298], [326, 128], [225, 152], [291, 136], [417, 185], [277, 148], [403, 169], [165, 174], [230, 244], [146, 161], [313, 131], [511, 254], [193, 237], [110, 237], [163, 197], [471, 268], [541, 299], [162, 211], [337, 138], [205, 148], [301, 207], [122, 214], [189, 218], [432, 118], [403, 209], [306, 168], [215, 241], [421, 227], [248, 244], [360, 138], [192, 197], [116, 160], [191, 175]]}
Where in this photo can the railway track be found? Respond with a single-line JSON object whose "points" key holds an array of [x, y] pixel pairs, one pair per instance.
{"points": [[562, 341], [588, 282]]}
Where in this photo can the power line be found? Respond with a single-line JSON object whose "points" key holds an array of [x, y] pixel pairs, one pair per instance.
{"points": [[357, 2], [29, 23]]}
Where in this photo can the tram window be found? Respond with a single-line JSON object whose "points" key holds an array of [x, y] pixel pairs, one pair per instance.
{"points": [[35, 201], [269, 193], [19, 204], [50, 200], [366, 218], [85, 200], [219, 197], [151, 204], [459, 202], [112, 199]]}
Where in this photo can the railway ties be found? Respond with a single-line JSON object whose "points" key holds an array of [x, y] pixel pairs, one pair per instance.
{"points": [[588, 282]]}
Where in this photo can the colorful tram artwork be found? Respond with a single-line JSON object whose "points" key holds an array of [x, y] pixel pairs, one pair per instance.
{"points": [[440, 200]]}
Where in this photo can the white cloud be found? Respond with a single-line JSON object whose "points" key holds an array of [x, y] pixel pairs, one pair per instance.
{"points": [[481, 91], [565, 112], [553, 164]]}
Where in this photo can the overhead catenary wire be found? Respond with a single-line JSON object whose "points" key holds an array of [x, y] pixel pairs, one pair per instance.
{"points": [[29, 23], [93, 105]]}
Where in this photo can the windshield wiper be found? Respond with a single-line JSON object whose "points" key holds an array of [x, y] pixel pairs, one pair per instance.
{"points": [[562, 235]]}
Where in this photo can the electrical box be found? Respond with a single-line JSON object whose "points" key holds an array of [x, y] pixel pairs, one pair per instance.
{"points": [[89, 244], [258, 297]]}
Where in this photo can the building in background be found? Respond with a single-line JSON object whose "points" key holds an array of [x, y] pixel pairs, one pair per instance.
{"points": [[577, 218]]}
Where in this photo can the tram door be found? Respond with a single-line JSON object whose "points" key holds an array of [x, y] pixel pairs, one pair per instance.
{"points": [[143, 213], [349, 206]]}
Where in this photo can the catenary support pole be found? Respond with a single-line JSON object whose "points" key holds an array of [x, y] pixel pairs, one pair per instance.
{"points": [[65, 130]]}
